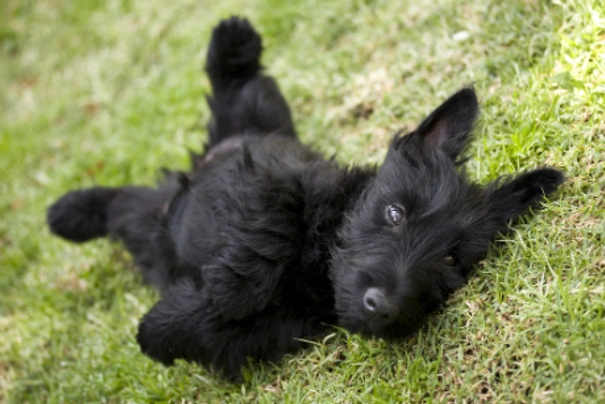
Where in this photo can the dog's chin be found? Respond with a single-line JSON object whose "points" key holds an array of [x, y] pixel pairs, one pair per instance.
{"points": [[369, 328], [375, 330]]}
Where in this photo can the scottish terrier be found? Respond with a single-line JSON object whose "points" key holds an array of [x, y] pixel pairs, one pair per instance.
{"points": [[264, 242]]}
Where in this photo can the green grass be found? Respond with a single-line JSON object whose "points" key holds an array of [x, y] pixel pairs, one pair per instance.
{"points": [[107, 92]]}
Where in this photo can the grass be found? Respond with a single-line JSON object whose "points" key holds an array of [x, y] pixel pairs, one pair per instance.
{"points": [[107, 92]]}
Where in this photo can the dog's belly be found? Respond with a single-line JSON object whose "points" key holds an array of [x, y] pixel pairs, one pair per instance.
{"points": [[227, 145], [262, 149], [242, 182]]}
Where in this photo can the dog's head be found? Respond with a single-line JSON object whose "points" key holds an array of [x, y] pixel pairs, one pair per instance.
{"points": [[421, 225]]}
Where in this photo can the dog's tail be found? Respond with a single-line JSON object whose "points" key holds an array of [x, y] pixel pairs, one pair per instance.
{"points": [[244, 102], [81, 215]]}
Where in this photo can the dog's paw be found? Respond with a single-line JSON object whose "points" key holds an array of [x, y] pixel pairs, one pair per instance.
{"points": [[81, 215], [235, 48], [152, 345]]}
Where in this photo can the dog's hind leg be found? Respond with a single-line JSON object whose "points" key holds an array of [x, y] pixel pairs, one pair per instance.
{"points": [[244, 101], [86, 214], [132, 215]]}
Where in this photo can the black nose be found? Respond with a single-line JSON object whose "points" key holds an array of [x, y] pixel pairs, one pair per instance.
{"points": [[378, 307]]}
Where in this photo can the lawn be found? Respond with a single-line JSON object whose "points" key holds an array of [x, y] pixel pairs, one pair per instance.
{"points": [[108, 92]]}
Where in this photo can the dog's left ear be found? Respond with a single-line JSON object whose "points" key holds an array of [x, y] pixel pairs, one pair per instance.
{"points": [[512, 197], [448, 128]]}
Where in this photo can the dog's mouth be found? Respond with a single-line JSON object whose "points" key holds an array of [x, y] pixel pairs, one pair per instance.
{"points": [[378, 330]]}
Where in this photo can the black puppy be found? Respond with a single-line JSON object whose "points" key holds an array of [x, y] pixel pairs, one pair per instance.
{"points": [[265, 242]]}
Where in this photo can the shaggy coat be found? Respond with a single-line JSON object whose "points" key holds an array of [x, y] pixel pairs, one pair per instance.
{"points": [[264, 242]]}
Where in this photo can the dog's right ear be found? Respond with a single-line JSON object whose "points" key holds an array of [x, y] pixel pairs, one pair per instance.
{"points": [[447, 128]]}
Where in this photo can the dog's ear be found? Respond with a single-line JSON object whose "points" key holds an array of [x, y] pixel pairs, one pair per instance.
{"points": [[512, 197], [448, 128]]}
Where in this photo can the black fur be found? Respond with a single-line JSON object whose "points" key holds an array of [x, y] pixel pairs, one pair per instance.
{"points": [[265, 242]]}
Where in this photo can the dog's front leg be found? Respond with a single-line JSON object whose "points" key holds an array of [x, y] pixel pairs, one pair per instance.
{"points": [[185, 325], [238, 291], [174, 328]]}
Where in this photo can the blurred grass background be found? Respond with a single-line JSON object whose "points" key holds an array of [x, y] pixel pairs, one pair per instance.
{"points": [[107, 92]]}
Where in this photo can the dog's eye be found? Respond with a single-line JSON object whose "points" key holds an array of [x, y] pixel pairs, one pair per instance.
{"points": [[450, 260], [395, 214]]}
